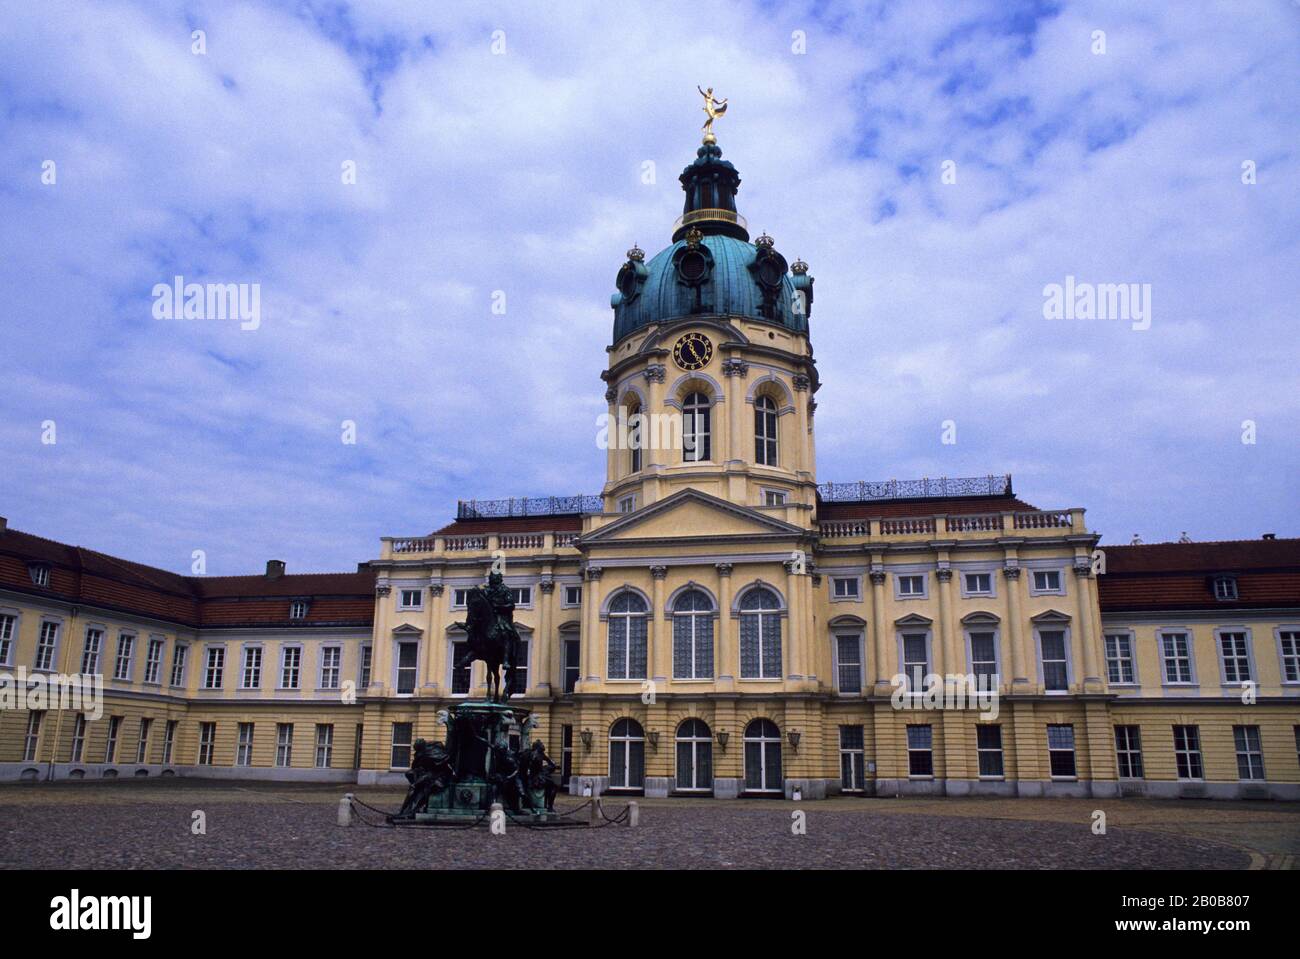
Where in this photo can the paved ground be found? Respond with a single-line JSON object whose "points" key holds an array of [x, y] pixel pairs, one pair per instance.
{"points": [[148, 825]]}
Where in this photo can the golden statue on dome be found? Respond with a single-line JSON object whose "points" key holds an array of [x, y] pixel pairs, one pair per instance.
{"points": [[714, 108]]}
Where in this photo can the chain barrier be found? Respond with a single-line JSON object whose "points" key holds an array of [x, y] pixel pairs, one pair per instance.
{"points": [[565, 820]]}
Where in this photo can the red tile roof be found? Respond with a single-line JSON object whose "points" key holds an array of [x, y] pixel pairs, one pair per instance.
{"points": [[85, 576], [1171, 576]]}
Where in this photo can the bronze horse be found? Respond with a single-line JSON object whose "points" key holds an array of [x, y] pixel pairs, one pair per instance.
{"points": [[489, 626]]}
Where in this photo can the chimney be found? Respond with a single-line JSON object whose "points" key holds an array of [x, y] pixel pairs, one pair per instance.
{"points": [[1266, 535], [4, 524], [274, 568]]}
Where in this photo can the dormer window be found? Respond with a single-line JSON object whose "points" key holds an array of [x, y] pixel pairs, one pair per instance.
{"points": [[40, 574], [1225, 588], [298, 609]]}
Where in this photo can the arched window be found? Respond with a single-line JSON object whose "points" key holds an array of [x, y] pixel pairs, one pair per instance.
{"points": [[695, 428], [760, 635], [694, 757], [626, 755], [635, 437], [765, 431], [762, 757], [627, 636], [693, 636]]}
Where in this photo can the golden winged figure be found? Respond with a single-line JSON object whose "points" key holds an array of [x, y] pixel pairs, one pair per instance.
{"points": [[714, 108]]}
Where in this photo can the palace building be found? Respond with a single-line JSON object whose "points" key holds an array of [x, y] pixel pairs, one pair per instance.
{"points": [[715, 622]]}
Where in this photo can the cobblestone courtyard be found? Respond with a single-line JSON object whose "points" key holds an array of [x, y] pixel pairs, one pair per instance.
{"points": [[266, 826]]}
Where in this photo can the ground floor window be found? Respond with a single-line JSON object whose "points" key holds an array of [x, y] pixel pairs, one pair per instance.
{"points": [[207, 741], [1128, 751], [626, 755], [1060, 751], [694, 756], [324, 745], [566, 756], [142, 745], [920, 751], [284, 744], [169, 741], [33, 738], [1187, 752], [114, 730], [356, 749], [852, 773], [78, 738], [763, 757], [401, 752], [244, 745], [1250, 755], [988, 749]]}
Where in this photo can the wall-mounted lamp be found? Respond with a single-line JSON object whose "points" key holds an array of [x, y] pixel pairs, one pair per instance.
{"points": [[723, 736], [653, 736], [586, 739], [793, 736]]}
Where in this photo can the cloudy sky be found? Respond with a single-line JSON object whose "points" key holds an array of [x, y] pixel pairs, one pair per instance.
{"points": [[501, 147]]}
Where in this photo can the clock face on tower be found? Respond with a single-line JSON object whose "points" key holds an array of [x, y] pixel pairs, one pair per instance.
{"points": [[693, 351]]}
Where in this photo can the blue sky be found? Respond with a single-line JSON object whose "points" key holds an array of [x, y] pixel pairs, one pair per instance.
{"points": [[522, 172]]}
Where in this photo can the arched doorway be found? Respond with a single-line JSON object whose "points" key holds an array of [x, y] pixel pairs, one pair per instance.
{"points": [[763, 758], [694, 757], [626, 755]]}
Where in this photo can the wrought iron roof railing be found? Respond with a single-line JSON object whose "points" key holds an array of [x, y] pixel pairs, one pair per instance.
{"points": [[527, 506], [941, 488]]}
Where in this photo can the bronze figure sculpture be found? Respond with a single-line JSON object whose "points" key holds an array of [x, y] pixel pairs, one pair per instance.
{"points": [[491, 635]]}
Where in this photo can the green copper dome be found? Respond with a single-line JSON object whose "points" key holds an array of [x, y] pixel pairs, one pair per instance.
{"points": [[711, 267]]}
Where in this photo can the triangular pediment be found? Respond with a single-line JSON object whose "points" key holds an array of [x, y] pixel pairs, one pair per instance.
{"points": [[690, 513]]}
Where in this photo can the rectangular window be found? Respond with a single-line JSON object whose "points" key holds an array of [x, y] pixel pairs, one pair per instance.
{"points": [[627, 504], [1250, 755], [852, 765], [774, 497], [179, 655], [848, 662], [519, 683], [290, 667], [356, 751], [572, 665], [1236, 657], [367, 661], [90, 652], [169, 740], [7, 627], [110, 748], [566, 755], [331, 663], [979, 584], [125, 651], [298, 609], [1128, 751], [916, 663], [46, 644], [1187, 752], [844, 587], [410, 599], [911, 586], [573, 596], [214, 672], [142, 745], [1056, 671], [153, 658], [692, 641], [984, 659], [521, 595], [1060, 751], [628, 646], [324, 745], [78, 739], [244, 747], [988, 748], [252, 674], [1225, 588], [1047, 581], [207, 742], [284, 744], [460, 675], [408, 658], [400, 757], [1176, 651], [459, 598], [32, 741], [1119, 659], [920, 755], [1289, 639]]}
